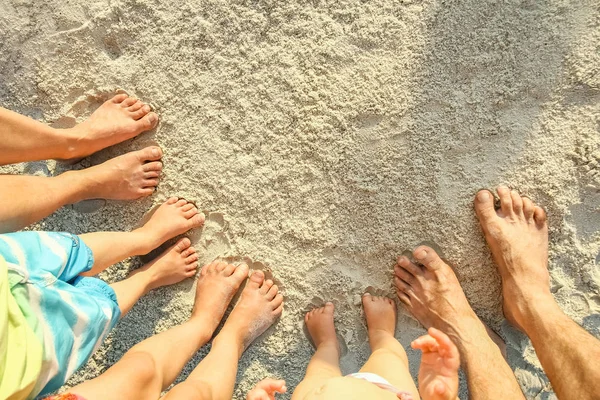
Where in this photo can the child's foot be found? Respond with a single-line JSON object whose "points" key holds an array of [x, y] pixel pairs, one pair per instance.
{"points": [[127, 177], [259, 306], [217, 284], [115, 121], [320, 326], [174, 265], [172, 218], [380, 313]]}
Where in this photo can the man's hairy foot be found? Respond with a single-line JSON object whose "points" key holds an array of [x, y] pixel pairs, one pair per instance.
{"points": [[217, 284], [432, 293], [259, 306], [127, 177], [174, 265], [380, 313], [115, 121], [174, 217], [517, 234], [320, 326]]}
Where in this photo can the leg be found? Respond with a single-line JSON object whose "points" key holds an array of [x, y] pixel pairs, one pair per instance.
{"points": [[214, 378], [388, 358], [152, 365], [432, 293], [27, 199], [118, 119], [172, 218], [325, 363], [517, 234]]}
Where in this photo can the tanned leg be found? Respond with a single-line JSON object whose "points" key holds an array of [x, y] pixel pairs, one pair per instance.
{"points": [[118, 119], [214, 378], [432, 293], [517, 234], [27, 199], [152, 365]]}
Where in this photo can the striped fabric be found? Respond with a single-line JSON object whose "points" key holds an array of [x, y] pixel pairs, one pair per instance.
{"points": [[70, 315]]}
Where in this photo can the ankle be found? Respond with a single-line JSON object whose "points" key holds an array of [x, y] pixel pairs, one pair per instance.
{"points": [[378, 336], [71, 138], [231, 338]]}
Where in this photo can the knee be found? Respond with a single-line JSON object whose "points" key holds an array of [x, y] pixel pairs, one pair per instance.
{"points": [[143, 368]]}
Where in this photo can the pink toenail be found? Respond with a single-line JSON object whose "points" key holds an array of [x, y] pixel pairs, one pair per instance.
{"points": [[152, 117], [484, 195], [155, 152]]}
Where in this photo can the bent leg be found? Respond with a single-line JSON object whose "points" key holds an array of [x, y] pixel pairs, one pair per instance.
{"points": [[518, 238], [325, 363], [388, 358]]}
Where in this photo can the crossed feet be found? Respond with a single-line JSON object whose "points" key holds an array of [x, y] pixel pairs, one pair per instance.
{"points": [[517, 235], [127, 177]]}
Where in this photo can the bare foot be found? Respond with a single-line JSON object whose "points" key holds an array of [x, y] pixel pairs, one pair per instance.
{"points": [[115, 121], [217, 284], [320, 326], [172, 218], [432, 293], [127, 177], [380, 313], [517, 234], [259, 306], [174, 265]]}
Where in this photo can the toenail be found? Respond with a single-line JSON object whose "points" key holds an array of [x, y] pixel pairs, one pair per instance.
{"points": [[152, 117], [483, 195], [155, 153], [421, 254]]}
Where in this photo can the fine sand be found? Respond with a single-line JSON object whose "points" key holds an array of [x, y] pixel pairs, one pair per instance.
{"points": [[324, 138]]}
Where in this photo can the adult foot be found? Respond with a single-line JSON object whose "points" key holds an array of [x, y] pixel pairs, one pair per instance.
{"points": [[432, 293], [174, 265], [517, 234], [174, 217], [217, 284], [320, 326], [115, 121], [259, 306], [127, 177], [380, 313]]}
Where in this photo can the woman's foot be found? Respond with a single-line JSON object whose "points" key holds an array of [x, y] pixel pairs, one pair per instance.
{"points": [[259, 306], [127, 177], [380, 313], [174, 265], [172, 218], [517, 234], [115, 121], [321, 327], [217, 284]]}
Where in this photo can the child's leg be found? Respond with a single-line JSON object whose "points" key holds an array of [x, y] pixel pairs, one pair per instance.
{"points": [[152, 365], [388, 358], [172, 218], [325, 363], [214, 378]]}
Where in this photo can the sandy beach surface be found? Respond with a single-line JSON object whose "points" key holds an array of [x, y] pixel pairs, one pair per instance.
{"points": [[324, 138]]}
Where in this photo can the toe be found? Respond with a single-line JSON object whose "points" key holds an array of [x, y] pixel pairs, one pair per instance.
{"points": [[181, 202], [256, 279], [229, 270], [404, 298], [273, 290], [139, 113], [401, 285], [128, 102], [154, 166], [428, 257], [151, 174], [136, 106], [182, 245], [172, 200], [146, 191], [148, 121], [151, 153], [192, 267], [528, 208], [404, 275], [221, 266], [188, 252], [277, 312], [187, 207], [266, 286], [484, 206], [119, 98], [196, 221], [241, 271], [517, 202], [406, 264], [150, 182], [505, 200], [193, 258], [277, 301], [329, 307], [190, 213], [539, 215]]}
